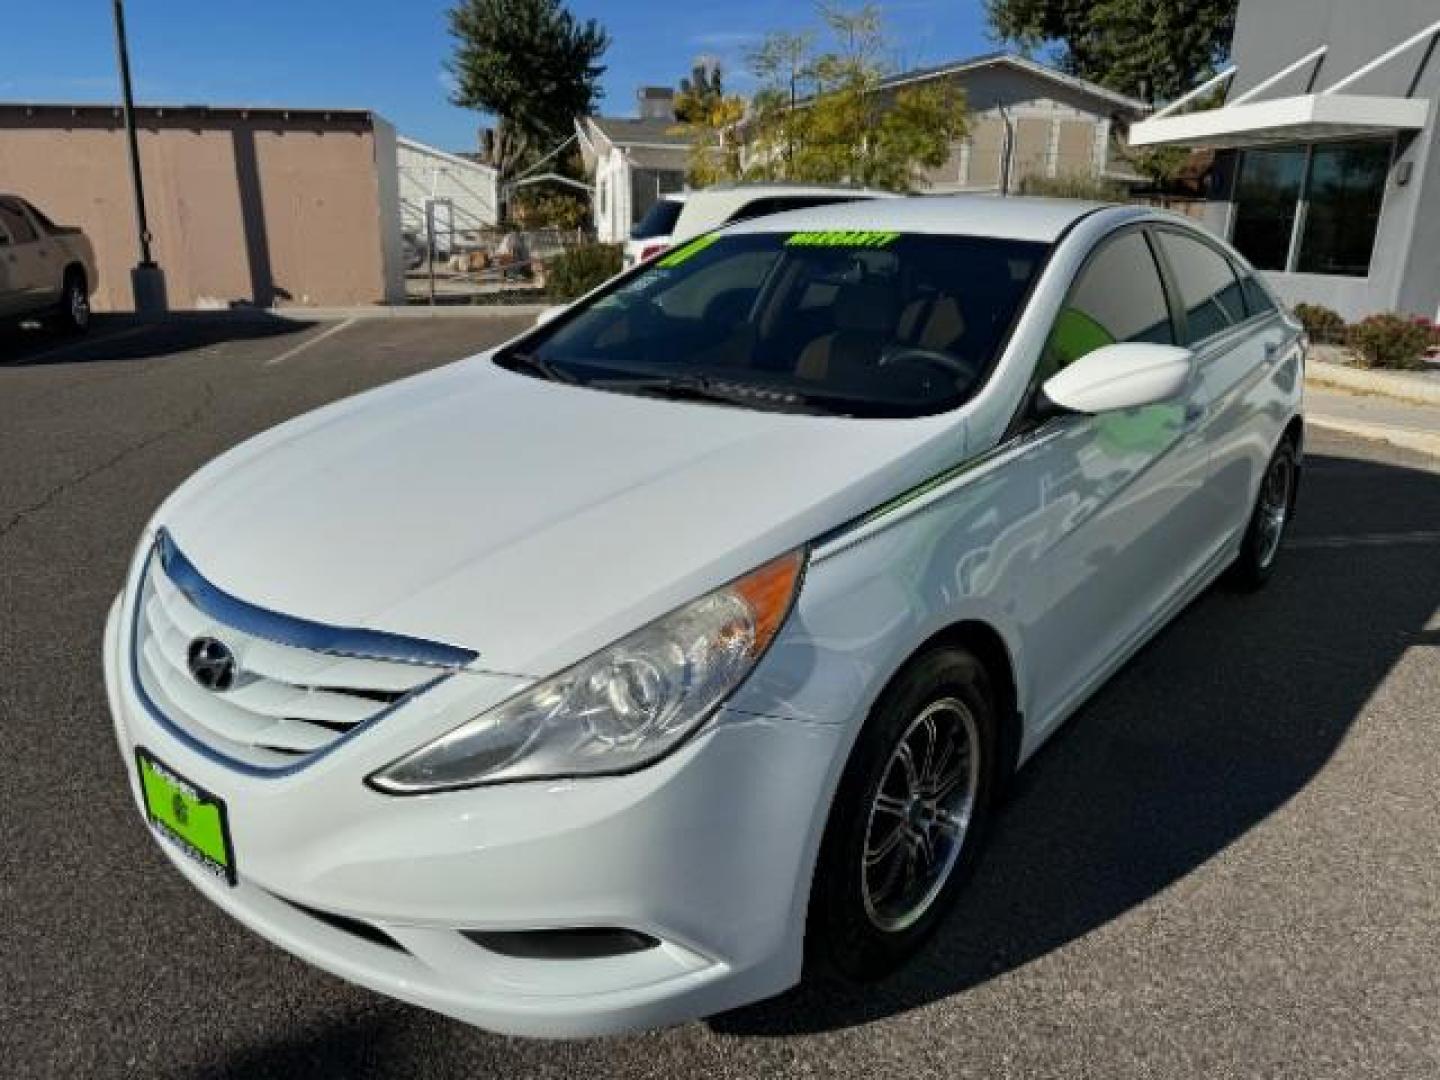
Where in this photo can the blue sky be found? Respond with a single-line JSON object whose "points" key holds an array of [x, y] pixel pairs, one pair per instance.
{"points": [[388, 55]]}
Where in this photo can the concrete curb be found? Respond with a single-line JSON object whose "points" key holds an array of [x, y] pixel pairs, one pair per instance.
{"points": [[301, 314], [1419, 441], [1414, 390]]}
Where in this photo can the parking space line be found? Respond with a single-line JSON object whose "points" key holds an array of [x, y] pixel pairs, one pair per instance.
{"points": [[298, 349], [1416, 536]]}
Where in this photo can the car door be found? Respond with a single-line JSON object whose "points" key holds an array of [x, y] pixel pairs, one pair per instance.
{"points": [[1125, 547], [1237, 341], [27, 258], [10, 299]]}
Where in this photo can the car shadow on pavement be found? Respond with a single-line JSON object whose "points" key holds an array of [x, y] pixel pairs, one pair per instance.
{"points": [[352, 1047], [1218, 722], [119, 337]]}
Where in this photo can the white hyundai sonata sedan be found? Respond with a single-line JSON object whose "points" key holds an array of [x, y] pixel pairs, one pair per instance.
{"points": [[614, 676]]}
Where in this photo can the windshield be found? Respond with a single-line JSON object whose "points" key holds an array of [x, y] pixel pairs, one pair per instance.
{"points": [[850, 323], [659, 220]]}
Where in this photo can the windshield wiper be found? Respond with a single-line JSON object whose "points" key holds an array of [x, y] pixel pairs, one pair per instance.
{"points": [[704, 388], [538, 365]]}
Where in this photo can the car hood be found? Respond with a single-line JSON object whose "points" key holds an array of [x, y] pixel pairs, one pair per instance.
{"points": [[529, 521]]}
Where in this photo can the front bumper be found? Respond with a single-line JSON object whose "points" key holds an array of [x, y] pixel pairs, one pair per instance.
{"points": [[708, 851]]}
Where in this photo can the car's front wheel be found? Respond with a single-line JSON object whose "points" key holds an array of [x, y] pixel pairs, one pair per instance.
{"points": [[907, 821], [1260, 549]]}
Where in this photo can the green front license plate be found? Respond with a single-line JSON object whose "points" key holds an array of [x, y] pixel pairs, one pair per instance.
{"points": [[188, 816]]}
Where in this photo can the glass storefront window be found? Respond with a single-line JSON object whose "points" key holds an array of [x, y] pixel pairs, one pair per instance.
{"points": [[1346, 187], [1266, 197], [1341, 193]]}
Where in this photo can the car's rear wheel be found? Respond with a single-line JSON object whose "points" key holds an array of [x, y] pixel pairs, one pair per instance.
{"points": [[74, 315], [1260, 549], [908, 819]]}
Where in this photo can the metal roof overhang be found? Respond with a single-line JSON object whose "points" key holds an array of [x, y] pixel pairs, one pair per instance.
{"points": [[1303, 119]]}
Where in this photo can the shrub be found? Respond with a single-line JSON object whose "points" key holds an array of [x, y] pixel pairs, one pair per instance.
{"points": [[1073, 186], [581, 269], [1390, 341], [540, 210], [1324, 326]]}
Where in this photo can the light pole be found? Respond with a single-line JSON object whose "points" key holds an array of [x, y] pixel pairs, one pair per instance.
{"points": [[146, 279]]}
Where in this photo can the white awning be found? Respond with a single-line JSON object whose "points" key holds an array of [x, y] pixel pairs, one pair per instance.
{"points": [[1308, 118]]}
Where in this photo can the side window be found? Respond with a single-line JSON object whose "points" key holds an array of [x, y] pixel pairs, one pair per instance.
{"points": [[1257, 300], [14, 221], [778, 204], [42, 217], [1117, 297], [1209, 290]]}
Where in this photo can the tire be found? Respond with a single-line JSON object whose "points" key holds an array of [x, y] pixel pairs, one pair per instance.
{"points": [[74, 315], [866, 916], [1274, 505]]}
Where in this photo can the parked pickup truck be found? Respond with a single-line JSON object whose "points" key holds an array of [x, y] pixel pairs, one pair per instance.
{"points": [[46, 271]]}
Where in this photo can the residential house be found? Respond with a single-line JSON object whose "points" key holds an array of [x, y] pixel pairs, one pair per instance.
{"points": [[632, 161], [447, 193], [1026, 119]]}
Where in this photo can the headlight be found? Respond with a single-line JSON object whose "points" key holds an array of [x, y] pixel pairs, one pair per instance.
{"points": [[621, 708]]}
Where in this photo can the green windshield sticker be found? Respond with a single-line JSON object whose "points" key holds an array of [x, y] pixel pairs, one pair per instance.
{"points": [[842, 238], [689, 251]]}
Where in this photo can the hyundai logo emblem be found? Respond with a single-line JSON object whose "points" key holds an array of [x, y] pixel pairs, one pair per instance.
{"points": [[212, 664]]}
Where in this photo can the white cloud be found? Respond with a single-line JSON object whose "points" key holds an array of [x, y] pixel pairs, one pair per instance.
{"points": [[726, 39]]}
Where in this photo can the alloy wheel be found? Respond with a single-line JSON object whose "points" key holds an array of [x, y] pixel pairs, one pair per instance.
{"points": [[1274, 507], [920, 815]]}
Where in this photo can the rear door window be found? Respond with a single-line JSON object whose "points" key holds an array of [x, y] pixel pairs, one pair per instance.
{"points": [[659, 220], [1210, 292], [1118, 297], [1257, 300], [14, 221], [778, 204]]}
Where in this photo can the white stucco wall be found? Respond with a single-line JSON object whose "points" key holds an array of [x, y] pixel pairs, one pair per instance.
{"points": [[426, 173]]}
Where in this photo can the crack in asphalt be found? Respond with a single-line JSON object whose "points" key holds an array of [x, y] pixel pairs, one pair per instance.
{"points": [[25, 513]]}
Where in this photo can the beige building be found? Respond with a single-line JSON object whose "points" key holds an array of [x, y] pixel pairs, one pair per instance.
{"points": [[1058, 125], [263, 207]]}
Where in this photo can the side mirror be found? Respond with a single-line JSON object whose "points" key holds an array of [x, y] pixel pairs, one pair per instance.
{"points": [[1117, 377], [548, 314]]}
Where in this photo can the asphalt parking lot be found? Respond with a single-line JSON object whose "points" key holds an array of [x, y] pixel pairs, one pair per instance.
{"points": [[1228, 864]]}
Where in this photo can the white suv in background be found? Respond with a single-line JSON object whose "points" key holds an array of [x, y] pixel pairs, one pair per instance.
{"points": [[680, 217]]}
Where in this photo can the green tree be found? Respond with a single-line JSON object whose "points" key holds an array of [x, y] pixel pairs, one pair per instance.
{"points": [[532, 65], [1152, 49], [782, 64], [699, 91], [848, 127], [713, 131]]}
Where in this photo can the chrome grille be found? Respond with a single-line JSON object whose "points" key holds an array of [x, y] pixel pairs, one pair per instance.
{"points": [[289, 700]]}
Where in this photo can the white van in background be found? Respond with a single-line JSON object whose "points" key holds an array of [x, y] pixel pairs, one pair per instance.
{"points": [[682, 216]]}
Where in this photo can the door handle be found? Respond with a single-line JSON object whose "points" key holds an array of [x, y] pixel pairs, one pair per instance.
{"points": [[1194, 413]]}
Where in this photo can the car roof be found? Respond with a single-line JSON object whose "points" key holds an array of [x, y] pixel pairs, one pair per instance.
{"points": [[1012, 218], [768, 188]]}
